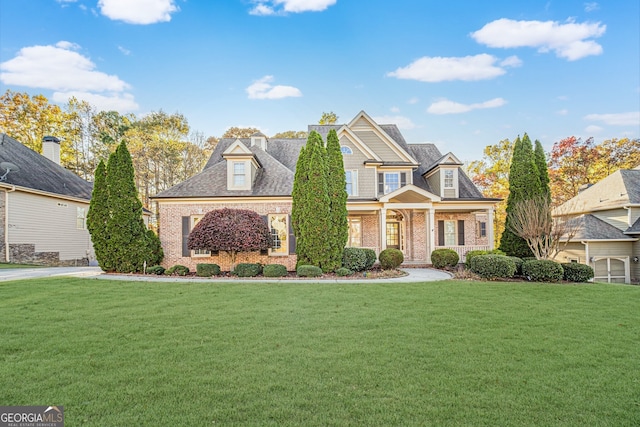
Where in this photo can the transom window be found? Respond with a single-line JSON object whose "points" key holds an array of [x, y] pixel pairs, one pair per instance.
{"points": [[279, 234], [355, 232], [352, 182], [346, 150], [239, 176]]}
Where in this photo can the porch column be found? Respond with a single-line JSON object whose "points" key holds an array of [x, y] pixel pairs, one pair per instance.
{"points": [[431, 230], [383, 229], [490, 227]]}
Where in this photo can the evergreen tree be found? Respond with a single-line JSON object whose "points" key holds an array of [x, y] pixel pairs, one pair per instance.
{"points": [[338, 228], [524, 184], [98, 216], [299, 189], [543, 170]]}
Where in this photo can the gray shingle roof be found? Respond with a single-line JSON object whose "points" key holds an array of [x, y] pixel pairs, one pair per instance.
{"points": [[39, 173], [634, 229], [592, 228], [631, 179]]}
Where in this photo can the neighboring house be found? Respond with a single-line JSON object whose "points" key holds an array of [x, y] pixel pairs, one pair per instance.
{"points": [[404, 196], [43, 207], [608, 235]]}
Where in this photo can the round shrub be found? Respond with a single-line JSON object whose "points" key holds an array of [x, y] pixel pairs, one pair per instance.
{"points": [[469, 256], [155, 269], [518, 262], [492, 266], [342, 271], [542, 270], [575, 272], [207, 270], [308, 271], [442, 258], [179, 270], [247, 270], [355, 259], [391, 258], [371, 257], [274, 270]]}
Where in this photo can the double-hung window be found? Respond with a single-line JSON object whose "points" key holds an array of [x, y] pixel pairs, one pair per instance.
{"points": [[352, 182], [239, 175], [81, 219], [198, 252], [355, 232], [389, 182], [448, 179]]}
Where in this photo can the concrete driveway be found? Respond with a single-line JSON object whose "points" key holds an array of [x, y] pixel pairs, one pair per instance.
{"points": [[32, 273]]}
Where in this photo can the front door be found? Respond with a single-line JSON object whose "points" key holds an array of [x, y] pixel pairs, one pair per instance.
{"points": [[393, 235]]}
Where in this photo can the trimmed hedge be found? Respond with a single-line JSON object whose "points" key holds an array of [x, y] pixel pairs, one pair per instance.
{"points": [[518, 262], [575, 272], [177, 269], [308, 271], [542, 270], [371, 257], [274, 270], [355, 259], [469, 255], [342, 271], [155, 269], [493, 266], [391, 258], [207, 270], [442, 258], [247, 270]]}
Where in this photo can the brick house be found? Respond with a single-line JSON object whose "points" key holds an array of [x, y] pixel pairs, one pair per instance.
{"points": [[405, 196]]}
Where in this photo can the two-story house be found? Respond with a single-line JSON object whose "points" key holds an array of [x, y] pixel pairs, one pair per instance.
{"points": [[608, 232], [404, 196]]}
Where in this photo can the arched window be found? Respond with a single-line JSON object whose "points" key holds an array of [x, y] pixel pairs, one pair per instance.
{"points": [[346, 150]]}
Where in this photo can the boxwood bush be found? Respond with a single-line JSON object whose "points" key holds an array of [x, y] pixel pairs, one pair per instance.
{"points": [[518, 262], [391, 258], [575, 272], [179, 270], [492, 266], [308, 271], [207, 270], [469, 255], [342, 271], [371, 257], [155, 269], [274, 270], [542, 270], [443, 258], [355, 259], [247, 270]]}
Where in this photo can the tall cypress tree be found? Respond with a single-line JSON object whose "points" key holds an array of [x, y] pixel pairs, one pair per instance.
{"points": [[524, 184], [98, 216], [297, 195], [338, 228], [543, 170]]}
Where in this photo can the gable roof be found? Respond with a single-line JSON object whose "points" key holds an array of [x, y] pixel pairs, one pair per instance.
{"points": [[39, 173], [621, 188], [590, 227]]}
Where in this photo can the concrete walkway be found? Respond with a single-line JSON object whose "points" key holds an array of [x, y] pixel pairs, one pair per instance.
{"points": [[413, 275]]}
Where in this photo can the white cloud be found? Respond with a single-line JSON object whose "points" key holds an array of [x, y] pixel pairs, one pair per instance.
{"points": [[263, 89], [631, 118], [124, 50], [139, 11], [439, 69], [562, 112], [592, 129], [512, 61], [569, 40], [404, 123], [446, 106], [590, 7], [121, 102], [272, 7], [413, 100], [62, 69]]}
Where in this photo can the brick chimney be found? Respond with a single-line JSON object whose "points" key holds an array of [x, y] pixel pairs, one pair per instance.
{"points": [[51, 148]]}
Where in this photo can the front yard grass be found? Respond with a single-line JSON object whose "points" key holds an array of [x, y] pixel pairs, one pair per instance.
{"points": [[438, 353]]}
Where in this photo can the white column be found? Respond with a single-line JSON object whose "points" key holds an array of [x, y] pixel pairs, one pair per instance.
{"points": [[383, 229], [490, 227], [432, 233]]}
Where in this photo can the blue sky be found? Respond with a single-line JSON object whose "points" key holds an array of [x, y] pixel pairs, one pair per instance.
{"points": [[461, 74]]}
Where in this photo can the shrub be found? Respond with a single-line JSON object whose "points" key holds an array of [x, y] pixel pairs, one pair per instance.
{"points": [[391, 258], [179, 270], [469, 256], [493, 266], [355, 259], [207, 270], [155, 269], [308, 271], [247, 270], [342, 271], [542, 270], [442, 258], [518, 262], [371, 257], [274, 270], [575, 272]]}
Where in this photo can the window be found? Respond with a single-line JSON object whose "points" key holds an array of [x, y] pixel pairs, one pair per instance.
{"points": [[355, 232], [345, 150], [450, 233], [239, 176], [448, 179], [279, 234], [390, 181], [482, 229], [81, 219], [198, 252], [352, 182]]}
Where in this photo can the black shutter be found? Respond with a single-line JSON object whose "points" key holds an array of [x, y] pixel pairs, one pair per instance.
{"points": [[460, 232], [380, 183], [265, 218], [440, 233], [292, 239], [186, 228], [403, 179]]}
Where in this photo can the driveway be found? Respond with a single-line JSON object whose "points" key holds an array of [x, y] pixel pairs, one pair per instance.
{"points": [[32, 273]]}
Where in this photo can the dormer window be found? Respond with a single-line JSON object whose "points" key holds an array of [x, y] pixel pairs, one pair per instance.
{"points": [[449, 182], [258, 139], [239, 174], [242, 166], [448, 178]]}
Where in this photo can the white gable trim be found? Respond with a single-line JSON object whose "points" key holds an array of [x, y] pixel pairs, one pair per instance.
{"points": [[237, 148], [410, 187], [360, 145]]}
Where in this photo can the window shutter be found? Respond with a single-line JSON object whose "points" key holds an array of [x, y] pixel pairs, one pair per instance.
{"points": [[460, 232], [265, 218], [292, 239], [403, 179], [380, 183], [186, 228], [440, 233]]}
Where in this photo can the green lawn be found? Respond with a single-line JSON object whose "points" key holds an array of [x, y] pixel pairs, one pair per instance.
{"points": [[117, 353]]}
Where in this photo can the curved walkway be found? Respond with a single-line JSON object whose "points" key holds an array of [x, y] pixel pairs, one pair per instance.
{"points": [[413, 275]]}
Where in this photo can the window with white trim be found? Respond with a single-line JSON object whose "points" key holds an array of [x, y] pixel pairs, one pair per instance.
{"points": [[450, 233], [81, 219], [346, 150], [198, 252], [391, 182], [352, 182], [279, 228], [239, 174], [355, 232], [448, 178]]}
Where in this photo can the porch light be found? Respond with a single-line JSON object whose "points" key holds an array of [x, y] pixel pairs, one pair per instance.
{"points": [[635, 259]]}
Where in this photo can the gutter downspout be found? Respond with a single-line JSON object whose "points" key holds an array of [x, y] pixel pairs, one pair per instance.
{"points": [[6, 222]]}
